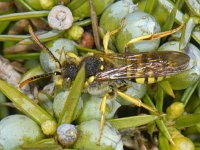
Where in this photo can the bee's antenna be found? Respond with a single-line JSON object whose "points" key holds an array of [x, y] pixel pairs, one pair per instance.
{"points": [[37, 77], [35, 38]]}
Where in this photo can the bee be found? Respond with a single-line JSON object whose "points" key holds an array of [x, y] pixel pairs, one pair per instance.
{"points": [[143, 67], [111, 69]]}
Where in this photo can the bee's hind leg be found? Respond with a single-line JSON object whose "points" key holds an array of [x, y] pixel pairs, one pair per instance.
{"points": [[102, 121]]}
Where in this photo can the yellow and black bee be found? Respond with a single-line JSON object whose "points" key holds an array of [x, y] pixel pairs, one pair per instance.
{"points": [[111, 69], [145, 67]]}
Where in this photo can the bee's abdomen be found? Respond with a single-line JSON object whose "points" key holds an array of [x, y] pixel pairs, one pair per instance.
{"points": [[150, 68], [147, 67]]}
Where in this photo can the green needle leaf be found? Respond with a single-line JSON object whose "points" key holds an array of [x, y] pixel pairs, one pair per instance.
{"points": [[73, 97], [160, 123], [130, 122], [194, 6], [75, 4], [162, 127], [187, 32], [167, 88], [51, 35], [24, 103], [188, 93], [25, 56], [168, 5], [170, 19], [187, 120], [13, 37], [150, 4], [159, 98], [163, 142], [24, 15]]}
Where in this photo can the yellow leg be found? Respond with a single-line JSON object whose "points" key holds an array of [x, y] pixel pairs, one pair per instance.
{"points": [[154, 36], [108, 34], [137, 102], [61, 52], [102, 121]]}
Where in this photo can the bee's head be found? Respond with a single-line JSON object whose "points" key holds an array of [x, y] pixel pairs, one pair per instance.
{"points": [[69, 70]]}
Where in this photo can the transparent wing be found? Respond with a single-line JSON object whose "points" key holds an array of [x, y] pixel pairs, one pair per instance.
{"points": [[144, 65]]}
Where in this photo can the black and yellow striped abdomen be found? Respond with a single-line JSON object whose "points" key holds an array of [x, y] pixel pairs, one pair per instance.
{"points": [[147, 67]]}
